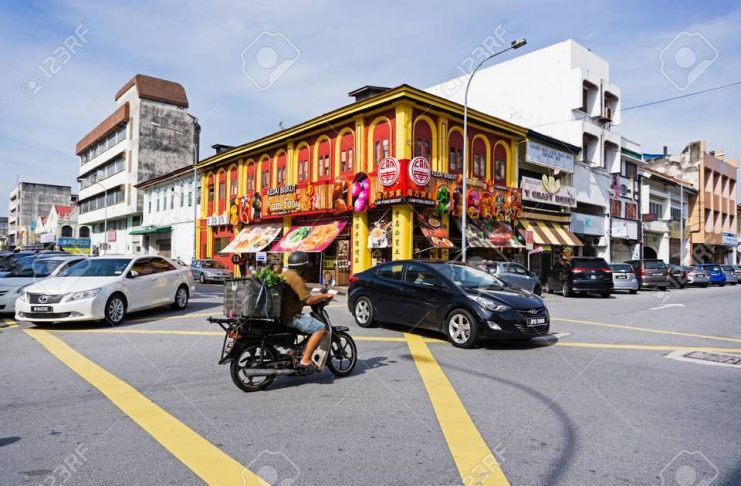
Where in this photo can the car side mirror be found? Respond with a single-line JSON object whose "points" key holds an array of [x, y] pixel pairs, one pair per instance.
{"points": [[132, 274]]}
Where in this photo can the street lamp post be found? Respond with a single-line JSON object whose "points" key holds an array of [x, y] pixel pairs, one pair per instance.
{"points": [[516, 44]]}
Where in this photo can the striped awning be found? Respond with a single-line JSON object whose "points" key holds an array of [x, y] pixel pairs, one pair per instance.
{"points": [[547, 233]]}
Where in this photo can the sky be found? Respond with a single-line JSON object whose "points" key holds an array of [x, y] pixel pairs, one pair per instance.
{"points": [[64, 61]]}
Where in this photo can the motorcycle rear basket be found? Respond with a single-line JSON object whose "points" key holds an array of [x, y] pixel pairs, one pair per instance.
{"points": [[249, 298]]}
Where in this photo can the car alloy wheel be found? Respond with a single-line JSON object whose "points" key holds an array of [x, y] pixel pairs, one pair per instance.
{"points": [[461, 329], [115, 310], [181, 298], [364, 312], [202, 279], [565, 290]]}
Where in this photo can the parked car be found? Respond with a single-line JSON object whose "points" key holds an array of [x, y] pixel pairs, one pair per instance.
{"points": [[651, 273], [697, 276], [716, 274], [515, 275], [624, 278], [464, 303], [209, 271], [730, 272], [737, 269], [40, 268], [580, 275], [677, 276], [106, 287]]}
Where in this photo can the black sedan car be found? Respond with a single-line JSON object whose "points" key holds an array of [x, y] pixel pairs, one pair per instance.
{"points": [[581, 275], [464, 303]]}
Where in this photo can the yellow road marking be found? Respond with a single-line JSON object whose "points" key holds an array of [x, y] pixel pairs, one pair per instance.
{"points": [[472, 456], [9, 323], [646, 329], [646, 347], [203, 458]]}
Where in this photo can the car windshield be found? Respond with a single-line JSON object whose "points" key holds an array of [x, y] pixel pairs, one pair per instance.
{"points": [[713, 268], [104, 267], [39, 267], [468, 277], [589, 262], [213, 264], [621, 268], [654, 264], [727, 268]]}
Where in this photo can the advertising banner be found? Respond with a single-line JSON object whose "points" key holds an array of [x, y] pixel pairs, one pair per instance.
{"points": [[253, 239], [308, 238], [78, 246], [549, 191]]}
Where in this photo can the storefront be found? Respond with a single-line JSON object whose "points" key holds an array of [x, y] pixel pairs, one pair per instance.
{"points": [[625, 242], [590, 229]]}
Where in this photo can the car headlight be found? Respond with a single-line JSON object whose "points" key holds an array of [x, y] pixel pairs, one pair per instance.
{"points": [[491, 305], [20, 289], [23, 297], [81, 295]]}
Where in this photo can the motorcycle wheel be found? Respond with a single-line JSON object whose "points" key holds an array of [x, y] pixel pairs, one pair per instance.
{"points": [[343, 354], [253, 356]]}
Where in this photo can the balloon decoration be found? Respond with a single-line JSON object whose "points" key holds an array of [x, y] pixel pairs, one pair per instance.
{"points": [[360, 192]]}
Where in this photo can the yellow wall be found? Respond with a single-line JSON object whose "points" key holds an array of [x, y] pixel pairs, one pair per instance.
{"points": [[402, 217], [361, 254]]}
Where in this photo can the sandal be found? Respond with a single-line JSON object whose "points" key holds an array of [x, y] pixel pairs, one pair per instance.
{"points": [[304, 370]]}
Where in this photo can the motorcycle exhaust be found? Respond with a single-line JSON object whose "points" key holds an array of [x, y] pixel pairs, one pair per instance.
{"points": [[250, 372]]}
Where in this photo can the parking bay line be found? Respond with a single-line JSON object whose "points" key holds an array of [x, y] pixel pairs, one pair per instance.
{"points": [[8, 323], [646, 329], [206, 460], [470, 452]]}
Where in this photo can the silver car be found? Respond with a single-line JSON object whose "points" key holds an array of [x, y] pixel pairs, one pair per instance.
{"points": [[698, 276], [515, 275], [731, 277], [624, 278], [209, 271]]}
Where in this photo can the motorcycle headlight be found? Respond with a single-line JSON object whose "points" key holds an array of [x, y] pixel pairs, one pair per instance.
{"points": [[81, 295], [491, 305]]}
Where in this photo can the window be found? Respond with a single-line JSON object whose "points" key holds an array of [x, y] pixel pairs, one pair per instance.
{"points": [[182, 195], [656, 208], [281, 176], [190, 195], [303, 170], [265, 179], [233, 186], [219, 244], [210, 192], [515, 268], [456, 161], [421, 275], [392, 271], [381, 150], [149, 204], [161, 265], [616, 208], [479, 168], [136, 221], [422, 148], [676, 213], [324, 166], [631, 171], [143, 266], [500, 172], [631, 211], [251, 183], [172, 198], [584, 98], [222, 191]]}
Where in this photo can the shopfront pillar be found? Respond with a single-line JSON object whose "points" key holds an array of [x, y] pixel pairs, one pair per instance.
{"points": [[444, 253], [286, 229], [361, 254], [209, 241], [402, 222]]}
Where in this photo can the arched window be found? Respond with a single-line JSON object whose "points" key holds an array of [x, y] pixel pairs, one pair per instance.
{"points": [[381, 142], [84, 232], [304, 165], [251, 174], [499, 174], [347, 162], [265, 174], [478, 158], [210, 195], [422, 140], [324, 160], [280, 168], [221, 176], [455, 159], [233, 183], [67, 231]]}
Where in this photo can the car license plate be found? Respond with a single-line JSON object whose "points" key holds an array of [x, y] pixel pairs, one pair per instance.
{"points": [[621, 276], [40, 308], [657, 274], [228, 345], [699, 275], [536, 321]]}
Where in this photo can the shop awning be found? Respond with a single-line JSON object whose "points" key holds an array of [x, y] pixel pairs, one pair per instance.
{"points": [[253, 239], [311, 238], [433, 229], [547, 233], [489, 234], [151, 229]]}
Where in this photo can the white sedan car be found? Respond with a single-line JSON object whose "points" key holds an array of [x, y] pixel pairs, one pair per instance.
{"points": [[106, 288]]}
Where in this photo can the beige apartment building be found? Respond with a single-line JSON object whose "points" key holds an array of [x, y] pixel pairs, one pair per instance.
{"points": [[712, 225]]}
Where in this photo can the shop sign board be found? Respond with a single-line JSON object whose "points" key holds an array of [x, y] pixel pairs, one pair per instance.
{"points": [[529, 239], [559, 195], [111, 236], [623, 228], [74, 245], [389, 170], [47, 238], [729, 239], [420, 171], [547, 157], [261, 256], [587, 224]]}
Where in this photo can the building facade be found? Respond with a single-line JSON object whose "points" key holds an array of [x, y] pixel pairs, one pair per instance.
{"points": [[28, 201], [3, 232], [170, 207], [149, 134], [374, 181], [625, 199], [712, 216], [565, 92]]}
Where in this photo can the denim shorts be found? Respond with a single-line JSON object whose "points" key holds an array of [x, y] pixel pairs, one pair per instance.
{"points": [[306, 324]]}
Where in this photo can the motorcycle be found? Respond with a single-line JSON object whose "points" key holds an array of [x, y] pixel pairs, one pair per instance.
{"points": [[260, 349]]}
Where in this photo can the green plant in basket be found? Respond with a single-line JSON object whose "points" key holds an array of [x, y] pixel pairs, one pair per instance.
{"points": [[268, 277]]}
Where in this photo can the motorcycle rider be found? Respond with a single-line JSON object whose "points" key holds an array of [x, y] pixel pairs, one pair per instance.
{"points": [[295, 296]]}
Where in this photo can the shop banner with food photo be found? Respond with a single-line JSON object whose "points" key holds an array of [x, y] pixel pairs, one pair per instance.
{"points": [[380, 234], [430, 222], [253, 239], [309, 238], [489, 234]]}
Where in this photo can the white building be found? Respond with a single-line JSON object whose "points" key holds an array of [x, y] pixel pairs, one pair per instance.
{"points": [[664, 205], [625, 231], [148, 135], [565, 92], [60, 222], [170, 204]]}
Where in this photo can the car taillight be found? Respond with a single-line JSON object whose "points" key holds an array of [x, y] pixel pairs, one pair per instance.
{"points": [[643, 271], [606, 270], [354, 279], [577, 270]]}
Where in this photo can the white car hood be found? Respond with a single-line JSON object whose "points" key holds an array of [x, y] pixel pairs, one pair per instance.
{"points": [[64, 285]]}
